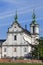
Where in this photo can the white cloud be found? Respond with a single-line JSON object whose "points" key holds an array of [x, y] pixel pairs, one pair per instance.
{"points": [[22, 10], [13, 13], [5, 16]]}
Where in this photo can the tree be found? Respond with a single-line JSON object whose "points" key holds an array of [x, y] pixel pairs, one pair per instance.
{"points": [[35, 52], [41, 48], [38, 50]]}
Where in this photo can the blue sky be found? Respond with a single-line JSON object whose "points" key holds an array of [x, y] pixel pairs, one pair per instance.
{"points": [[24, 10]]}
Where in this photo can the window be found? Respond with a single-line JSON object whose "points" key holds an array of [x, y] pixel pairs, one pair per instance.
{"points": [[4, 49], [14, 49], [4, 55], [25, 49], [15, 38]]}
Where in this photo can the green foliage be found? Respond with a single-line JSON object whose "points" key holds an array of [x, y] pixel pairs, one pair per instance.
{"points": [[20, 64], [41, 47], [38, 50], [35, 52]]}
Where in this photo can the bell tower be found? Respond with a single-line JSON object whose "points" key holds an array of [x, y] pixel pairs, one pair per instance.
{"points": [[34, 26]]}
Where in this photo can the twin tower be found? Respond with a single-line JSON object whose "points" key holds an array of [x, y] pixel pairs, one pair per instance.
{"points": [[34, 27]]}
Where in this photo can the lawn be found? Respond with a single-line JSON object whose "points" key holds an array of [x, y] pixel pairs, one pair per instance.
{"points": [[20, 64]]}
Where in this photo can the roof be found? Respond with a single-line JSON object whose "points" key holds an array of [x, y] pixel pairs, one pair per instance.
{"points": [[24, 30], [34, 19], [1, 41], [34, 22]]}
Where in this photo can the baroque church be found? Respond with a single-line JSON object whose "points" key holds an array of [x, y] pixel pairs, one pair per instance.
{"points": [[19, 40]]}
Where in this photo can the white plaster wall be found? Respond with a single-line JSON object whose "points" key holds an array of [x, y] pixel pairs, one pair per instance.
{"points": [[3, 51], [10, 39], [9, 51], [20, 41], [36, 30], [36, 36], [14, 42], [0, 55], [29, 49], [0, 52], [27, 38], [31, 29], [14, 54], [15, 29], [20, 49]]}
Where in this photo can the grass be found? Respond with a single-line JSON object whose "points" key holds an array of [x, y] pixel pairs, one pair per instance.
{"points": [[20, 64]]}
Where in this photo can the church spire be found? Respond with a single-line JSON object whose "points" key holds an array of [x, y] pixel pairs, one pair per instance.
{"points": [[34, 25], [34, 17], [16, 17]]}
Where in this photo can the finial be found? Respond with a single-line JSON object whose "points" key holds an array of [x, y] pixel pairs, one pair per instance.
{"points": [[16, 17], [34, 16]]}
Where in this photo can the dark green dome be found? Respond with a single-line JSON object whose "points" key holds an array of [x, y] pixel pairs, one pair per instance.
{"points": [[33, 18]]}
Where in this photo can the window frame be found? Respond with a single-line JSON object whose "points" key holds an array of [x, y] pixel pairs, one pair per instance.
{"points": [[4, 49], [15, 37], [25, 49], [15, 49], [4, 55]]}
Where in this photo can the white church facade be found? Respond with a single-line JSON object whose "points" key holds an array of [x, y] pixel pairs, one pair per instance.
{"points": [[19, 40]]}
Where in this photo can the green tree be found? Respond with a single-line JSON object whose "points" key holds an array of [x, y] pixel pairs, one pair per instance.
{"points": [[38, 50], [41, 48], [35, 52]]}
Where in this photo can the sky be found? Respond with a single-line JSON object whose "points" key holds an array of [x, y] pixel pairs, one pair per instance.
{"points": [[24, 10]]}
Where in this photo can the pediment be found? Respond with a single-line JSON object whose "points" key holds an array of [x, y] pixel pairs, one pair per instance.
{"points": [[15, 28]]}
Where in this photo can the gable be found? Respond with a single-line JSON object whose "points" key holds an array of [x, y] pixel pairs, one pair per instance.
{"points": [[15, 28]]}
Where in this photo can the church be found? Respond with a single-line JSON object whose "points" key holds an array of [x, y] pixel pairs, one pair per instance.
{"points": [[19, 40]]}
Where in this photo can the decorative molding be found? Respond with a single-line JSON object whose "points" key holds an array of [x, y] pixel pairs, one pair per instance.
{"points": [[15, 45]]}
